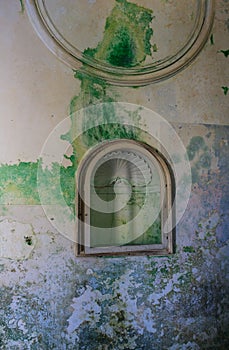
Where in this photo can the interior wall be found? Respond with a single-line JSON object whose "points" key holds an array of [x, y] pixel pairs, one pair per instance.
{"points": [[51, 299]]}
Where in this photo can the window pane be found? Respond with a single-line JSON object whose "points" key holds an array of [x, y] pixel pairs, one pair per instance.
{"points": [[131, 182]]}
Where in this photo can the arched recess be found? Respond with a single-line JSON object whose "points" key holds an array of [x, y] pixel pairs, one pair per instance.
{"points": [[125, 192]]}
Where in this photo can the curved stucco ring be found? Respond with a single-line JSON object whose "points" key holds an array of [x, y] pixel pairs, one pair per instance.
{"points": [[134, 76]]}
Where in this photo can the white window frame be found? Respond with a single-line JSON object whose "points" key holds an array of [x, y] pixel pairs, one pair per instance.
{"points": [[83, 212]]}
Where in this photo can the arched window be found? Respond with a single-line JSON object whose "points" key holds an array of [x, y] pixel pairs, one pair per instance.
{"points": [[125, 193]]}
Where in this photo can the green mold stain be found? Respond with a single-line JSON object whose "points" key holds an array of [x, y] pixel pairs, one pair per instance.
{"points": [[59, 176], [212, 42], [188, 249], [225, 52], [18, 183], [127, 36], [22, 6], [205, 160], [199, 155], [126, 43], [196, 143], [155, 48], [122, 52], [225, 90]]}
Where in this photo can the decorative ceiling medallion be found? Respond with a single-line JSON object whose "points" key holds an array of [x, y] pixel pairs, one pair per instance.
{"points": [[128, 43]]}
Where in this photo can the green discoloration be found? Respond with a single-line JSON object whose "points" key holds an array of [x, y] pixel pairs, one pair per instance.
{"points": [[200, 156], [18, 183], [127, 35], [173, 302], [189, 249], [155, 48], [195, 145], [22, 6], [67, 183], [122, 52], [212, 39], [225, 89], [124, 44], [95, 91], [151, 236], [225, 52], [109, 132], [205, 160]]}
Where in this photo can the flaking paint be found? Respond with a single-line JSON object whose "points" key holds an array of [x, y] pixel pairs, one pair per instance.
{"points": [[52, 300]]}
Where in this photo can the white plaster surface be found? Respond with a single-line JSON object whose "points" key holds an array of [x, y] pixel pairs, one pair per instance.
{"points": [[35, 90], [13, 236]]}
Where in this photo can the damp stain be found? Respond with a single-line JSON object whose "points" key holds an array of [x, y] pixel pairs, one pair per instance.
{"points": [[196, 144], [212, 41], [126, 43], [200, 157], [126, 305], [188, 249], [127, 36], [22, 6], [224, 52], [225, 89], [19, 184]]}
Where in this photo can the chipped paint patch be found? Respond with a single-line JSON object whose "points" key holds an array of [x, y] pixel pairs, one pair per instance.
{"points": [[175, 303], [17, 240], [86, 309]]}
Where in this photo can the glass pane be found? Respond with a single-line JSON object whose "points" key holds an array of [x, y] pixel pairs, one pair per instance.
{"points": [[129, 186]]}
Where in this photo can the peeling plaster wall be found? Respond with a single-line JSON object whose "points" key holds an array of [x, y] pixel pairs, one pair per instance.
{"points": [[50, 299]]}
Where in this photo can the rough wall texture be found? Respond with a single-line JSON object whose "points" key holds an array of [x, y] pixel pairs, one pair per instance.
{"points": [[50, 299]]}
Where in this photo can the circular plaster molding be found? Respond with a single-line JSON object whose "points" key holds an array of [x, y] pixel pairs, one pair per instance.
{"points": [[55, 38]]}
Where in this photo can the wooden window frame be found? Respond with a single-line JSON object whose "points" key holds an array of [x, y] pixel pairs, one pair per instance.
{"points": [[83, 211]]}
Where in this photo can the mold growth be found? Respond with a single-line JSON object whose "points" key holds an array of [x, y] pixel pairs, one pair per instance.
{"points": [[189, 249], [18, 183], [212, 42], [22, 6], [225, 89], [127, 36], [196, 144], [225, 52], [178, 302], [200, 156], [126, 42]]}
